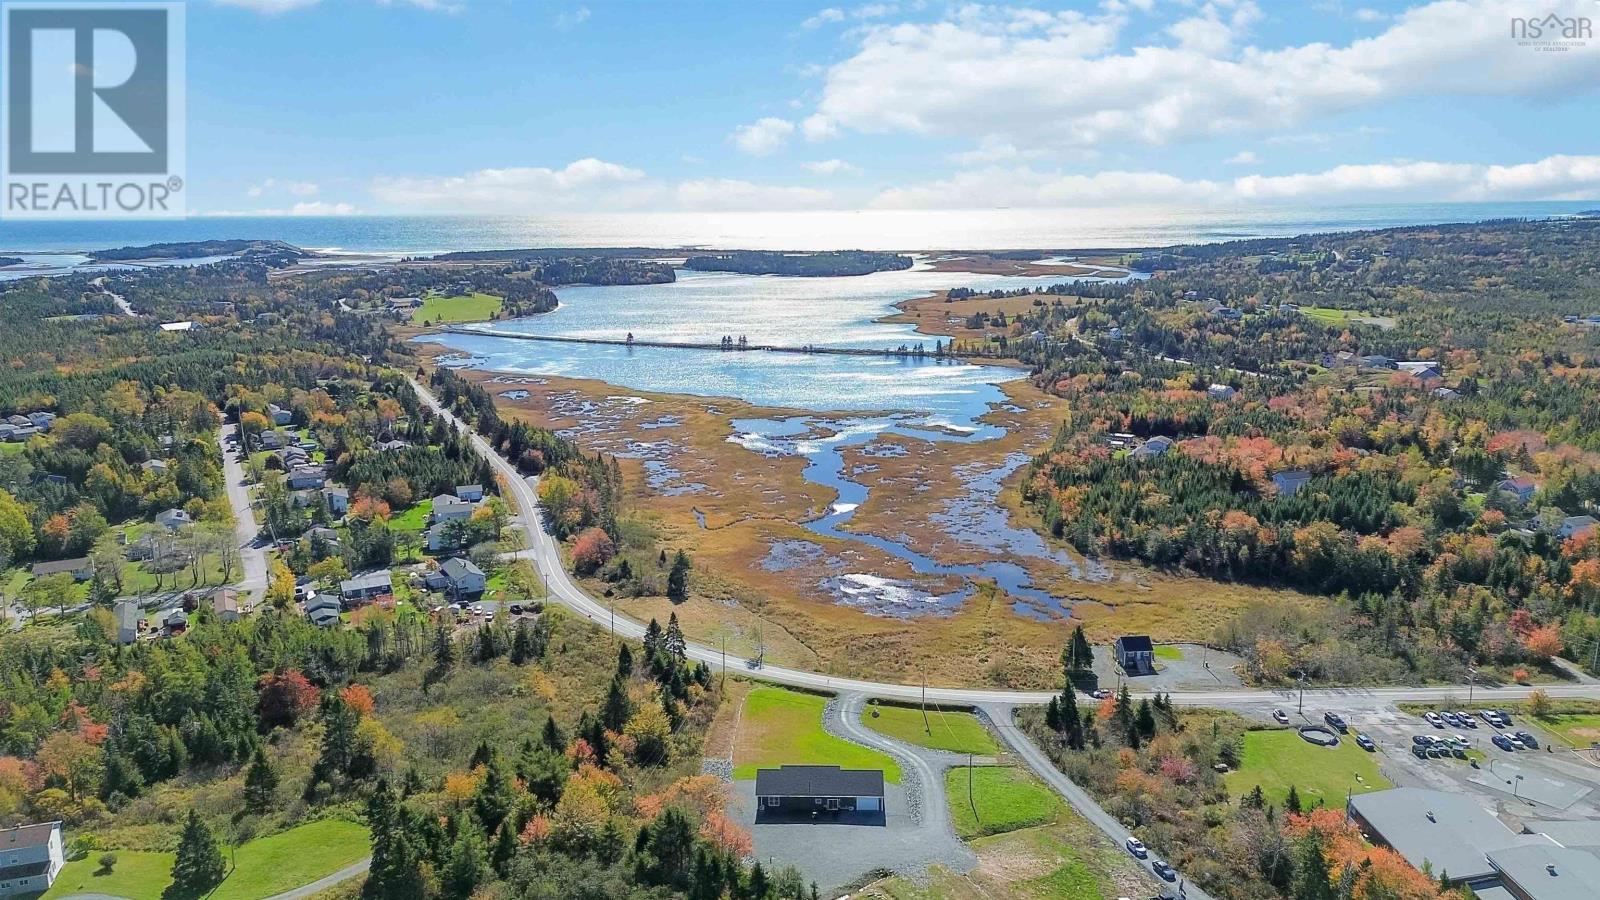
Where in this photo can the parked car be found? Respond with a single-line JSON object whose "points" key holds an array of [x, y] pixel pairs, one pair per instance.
{"points": [[1503, 742], [1451, 718], [1421, 740], [1458, 751], [1137, 848], [1336, 721], [1365, 743], [1433, 719], [1163, 871], [1420, 751], [1280, 716], [516, 609], [1505, 717], [1100, 693], [1528, 740]]}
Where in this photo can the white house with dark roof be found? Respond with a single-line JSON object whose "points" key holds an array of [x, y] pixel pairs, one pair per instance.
{"points": [[447, 507], [338, 500], [458, 577], [128, 616], [31, 856], [304, 478], [1287, 483]]}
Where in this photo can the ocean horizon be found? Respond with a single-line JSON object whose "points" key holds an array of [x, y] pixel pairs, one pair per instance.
{"points": [[909, 230]]}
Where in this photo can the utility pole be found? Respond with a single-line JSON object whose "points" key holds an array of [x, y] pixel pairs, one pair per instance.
{"points": [[613, 621], [724, 661], [970, 801], [925, 726], [1301, 709]]}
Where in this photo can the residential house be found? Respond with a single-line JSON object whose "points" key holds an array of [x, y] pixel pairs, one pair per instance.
{"points": [[129, 619], [323, 610], [806, 791], [155, 466], [1377, 361], [279, 415], [1121, 440], [79, 568], [176, 622], [304, 478], [1522, 488], [1153, 447], [1135, 654], [1572, 526], [447, 507], [471, 493], [31, 856], [225, 604], [1220, 392], [295, 455], [42, 420], [1287, 483], [18, 433], [1229, 313], [363, 588], [391, 445], [142, 549], [178, 326], [8, 432], [173, 519], [405, 303], [18, 421], [1444, 393], [1422, 370], [272, 440], [338, 500], [441, 537], [457, 577]]}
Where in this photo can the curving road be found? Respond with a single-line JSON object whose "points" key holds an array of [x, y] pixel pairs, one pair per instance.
{"points": [[545, 553]]}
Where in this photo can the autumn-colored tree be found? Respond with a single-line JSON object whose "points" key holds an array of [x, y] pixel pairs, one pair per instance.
{"points": [[1543, 642], [358, 698], [592, 549], [280, 585], [283, 697], [1539, 704], [367, 508]]}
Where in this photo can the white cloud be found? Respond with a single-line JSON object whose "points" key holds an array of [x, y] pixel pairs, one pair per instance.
{"points": [[763, 136], [584, 182], [823, 17], [992, 149], [1243, 158], [1065, 80], [273, 185], [309, 208], [722, 194], [831, 167], [1367, 14], [1551, 178]]}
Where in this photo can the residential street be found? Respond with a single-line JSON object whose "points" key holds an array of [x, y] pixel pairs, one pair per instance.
{"points": [[252, 558]]}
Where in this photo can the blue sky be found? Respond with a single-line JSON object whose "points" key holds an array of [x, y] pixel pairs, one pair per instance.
{"points": [[498, 106]]}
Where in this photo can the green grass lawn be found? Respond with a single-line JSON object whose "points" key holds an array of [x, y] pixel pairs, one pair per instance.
{"points": [[1073, 881], [955, 730], [1167, 651], [1327, 315], [472, 308], [414, 518], [1006, 799], [265, 866], [1280, 758], [780, 727], [140, 876]]}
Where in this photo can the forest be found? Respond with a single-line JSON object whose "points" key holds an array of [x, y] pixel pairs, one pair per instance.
{"points": [[808, 264]]}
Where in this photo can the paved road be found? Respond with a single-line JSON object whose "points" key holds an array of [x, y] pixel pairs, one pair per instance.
{"points": [[543, 551], [252, 559], [1001, 716]]}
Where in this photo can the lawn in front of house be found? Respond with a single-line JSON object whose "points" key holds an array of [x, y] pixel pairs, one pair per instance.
{"points": [[264, 867], [1168, 651], [1005, 798], [957, 731], [474, 307], [782, 727], [1278, 759]]}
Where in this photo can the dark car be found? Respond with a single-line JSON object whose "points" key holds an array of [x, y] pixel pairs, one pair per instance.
{"points": [[1421, 740], [516, 609], [1365, 743], [1505, 717], [1503, 742], [1420, 751], [1528, 740], [1336, 721], [1163, 871]]}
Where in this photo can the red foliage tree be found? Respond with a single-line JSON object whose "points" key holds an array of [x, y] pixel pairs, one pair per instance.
{"points": [[283, 697], [591, 550]]}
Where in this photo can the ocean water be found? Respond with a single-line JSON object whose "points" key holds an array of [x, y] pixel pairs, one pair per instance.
{"points": [[864, 229]]}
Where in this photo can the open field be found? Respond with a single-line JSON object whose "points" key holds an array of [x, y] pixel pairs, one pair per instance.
{"points": [[782, 727], [738, 513], [265, 866], [1005, 798], [940, 316], [957, 731], [1279, 759], [474, 307]]}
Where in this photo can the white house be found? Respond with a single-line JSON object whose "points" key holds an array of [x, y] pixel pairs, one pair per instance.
{"points": [[128, 615], [1220, 392], [31, 856], [173, 519], [1289, 482], [470, 493], [441, 537], [338, 500], [1153, 447], [278, 414], [459, 577], [448, 506], [306, 477]]}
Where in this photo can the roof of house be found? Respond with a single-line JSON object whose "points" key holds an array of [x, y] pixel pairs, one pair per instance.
{"points": [[1549, 873], [127, 613], [1518, 484], [1291, 476], [818, 781], [57, 566], [367, 582], [1576, 522], [323, 601], [336, 492], [1449, 832], [1135, 642], [35, 835], [323, 615], [175, 514], [225, 600], [468, 488], [177, 617], [458, 568]]}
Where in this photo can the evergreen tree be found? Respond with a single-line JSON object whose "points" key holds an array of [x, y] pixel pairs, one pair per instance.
{"points": [[395, 872], [260, 783], [1071, 719], [1052, 716], [1076, 657], [1311, 869], [624, 661], [552, 737], [618, 708], [495, 797], [1292, 801], [678, 578], [1145, 720], [467, 865], [199, 866], [505, 849], [652, 638], [673, 643]]}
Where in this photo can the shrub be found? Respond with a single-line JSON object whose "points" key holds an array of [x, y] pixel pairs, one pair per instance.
{"points": [[593, 549]]}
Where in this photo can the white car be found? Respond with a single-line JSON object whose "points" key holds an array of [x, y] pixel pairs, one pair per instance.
{"points": [[1137, 848], [1281, 716], [1433, 719]]}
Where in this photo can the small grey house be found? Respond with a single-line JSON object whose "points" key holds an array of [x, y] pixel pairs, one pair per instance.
{"points": [[31, 856], [173, 519], [362, 588], [1291, 481], [1153, 447], [813, 790], [459, 577], [448, 506], [471, 493], [1135, 654], [79, 568], [306, 478], [128, 616], [1220, 392], [1575, 525], [338, 500]]}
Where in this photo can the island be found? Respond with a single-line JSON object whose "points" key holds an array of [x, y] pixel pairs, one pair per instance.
{"points": [[264, 249], [812, 265]]}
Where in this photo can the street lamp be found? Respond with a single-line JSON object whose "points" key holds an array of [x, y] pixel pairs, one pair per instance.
{"points": [[1516, 785]]}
